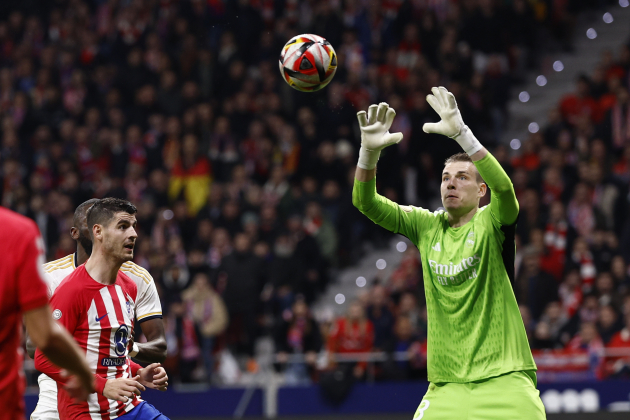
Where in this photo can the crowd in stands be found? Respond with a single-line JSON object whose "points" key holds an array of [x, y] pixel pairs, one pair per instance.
{"points": [[243, 186]]}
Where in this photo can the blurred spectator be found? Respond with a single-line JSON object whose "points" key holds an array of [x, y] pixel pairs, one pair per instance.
{"points": [[353, 333], [297, 333], [542, 337], [620, 366], [588, 313], [408, 307], [608, 323], [206, 310], [554, 318], [557, 235], [534, 287], [582, 258], [587, 340], [406, 342], [579, 104], [381, 317], [190, 176], [241, 278], [407, 276]]}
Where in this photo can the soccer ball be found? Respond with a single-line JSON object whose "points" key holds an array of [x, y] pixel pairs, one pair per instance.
{"points": [[308, 62]]}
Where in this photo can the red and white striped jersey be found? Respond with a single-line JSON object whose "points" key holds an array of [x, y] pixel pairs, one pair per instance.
{"points": [[100, 318], [148, 302]]}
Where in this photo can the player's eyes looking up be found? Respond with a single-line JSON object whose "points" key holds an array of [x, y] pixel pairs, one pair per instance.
{"points": [[124, 224], [461, 177]]}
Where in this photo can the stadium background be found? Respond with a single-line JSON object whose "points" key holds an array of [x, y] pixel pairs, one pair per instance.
{"points": [[243, 185]]}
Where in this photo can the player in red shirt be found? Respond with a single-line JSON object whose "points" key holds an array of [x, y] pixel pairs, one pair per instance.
{"points": [[96, 304], [23, 293]]}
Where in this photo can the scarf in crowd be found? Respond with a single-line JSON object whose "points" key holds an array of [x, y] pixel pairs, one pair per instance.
{"points": [[555, 243], [190, 342], [295, 337], [588, 272], [620, 128], [571, 299]]}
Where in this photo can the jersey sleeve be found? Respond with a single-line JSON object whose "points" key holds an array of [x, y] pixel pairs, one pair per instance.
{"points": [[148, 304], [46, 367], [32, 291], [65, 306], [503, 203], [406, 220], [134, 367], [51, 283]]}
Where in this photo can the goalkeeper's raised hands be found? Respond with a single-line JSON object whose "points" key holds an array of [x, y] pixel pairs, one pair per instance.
{"points": [[375, 135], [452, 125]]}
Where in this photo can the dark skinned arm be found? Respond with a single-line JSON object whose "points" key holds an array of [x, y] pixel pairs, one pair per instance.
{"points": [[154, 350]]}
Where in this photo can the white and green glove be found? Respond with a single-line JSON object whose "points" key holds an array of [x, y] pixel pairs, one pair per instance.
{"points": [[452, 124], [374, 133]]}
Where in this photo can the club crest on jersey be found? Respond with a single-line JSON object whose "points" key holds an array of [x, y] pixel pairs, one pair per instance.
{"points": [[470, 240], [121, 338], [56, 314], [130, 306]]}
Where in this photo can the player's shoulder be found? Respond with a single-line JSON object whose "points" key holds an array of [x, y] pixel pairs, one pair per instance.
{"points": [[62, 264], [16, 228], [422, 211], [12, 221], [72, 286], [137, 273], [485, 216]]}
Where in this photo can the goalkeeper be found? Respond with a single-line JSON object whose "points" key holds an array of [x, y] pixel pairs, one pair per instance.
{"points": [[479, 363]]}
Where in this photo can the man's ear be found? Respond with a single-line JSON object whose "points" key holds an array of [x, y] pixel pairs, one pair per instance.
{"points": [[97, 231], [483, 189], [74, 233]]}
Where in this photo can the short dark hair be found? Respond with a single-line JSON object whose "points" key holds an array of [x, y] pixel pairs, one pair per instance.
{"points": [[82, 209], [463, 157], [103, 211]]}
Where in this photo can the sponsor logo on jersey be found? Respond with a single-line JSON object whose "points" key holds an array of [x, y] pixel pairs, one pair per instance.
{"points": [[121, 338], [113, 361], [98, 319], [436, 247], [449, 274], [56, 314]]}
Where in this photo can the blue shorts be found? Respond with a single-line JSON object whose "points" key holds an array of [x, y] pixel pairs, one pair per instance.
{"points": [[144, 411]]}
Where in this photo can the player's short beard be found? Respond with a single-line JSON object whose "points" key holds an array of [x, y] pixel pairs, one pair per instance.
{"points": [[86, 243]]}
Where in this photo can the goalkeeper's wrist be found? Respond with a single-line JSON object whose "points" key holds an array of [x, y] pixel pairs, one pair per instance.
{"points": [[467, 141], [368, 158]]}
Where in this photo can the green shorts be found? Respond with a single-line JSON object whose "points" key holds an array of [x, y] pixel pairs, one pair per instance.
{"points": [[512, 396]]}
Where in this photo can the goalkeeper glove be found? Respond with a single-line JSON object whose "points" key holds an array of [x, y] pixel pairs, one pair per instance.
{"points": [[374, 133], [452, 124]]}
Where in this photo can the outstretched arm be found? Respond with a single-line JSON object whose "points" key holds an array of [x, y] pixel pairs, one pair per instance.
{"points": [[503, 204], [374, 138]]}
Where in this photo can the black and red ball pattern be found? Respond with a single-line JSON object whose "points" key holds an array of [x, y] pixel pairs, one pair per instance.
{"points": [[308, 62]]}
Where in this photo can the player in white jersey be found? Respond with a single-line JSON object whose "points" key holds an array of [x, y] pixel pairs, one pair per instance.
{"points": [[148, 309]]}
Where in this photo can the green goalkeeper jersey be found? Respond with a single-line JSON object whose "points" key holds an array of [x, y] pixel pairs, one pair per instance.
{"points": [[475, 329]]}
